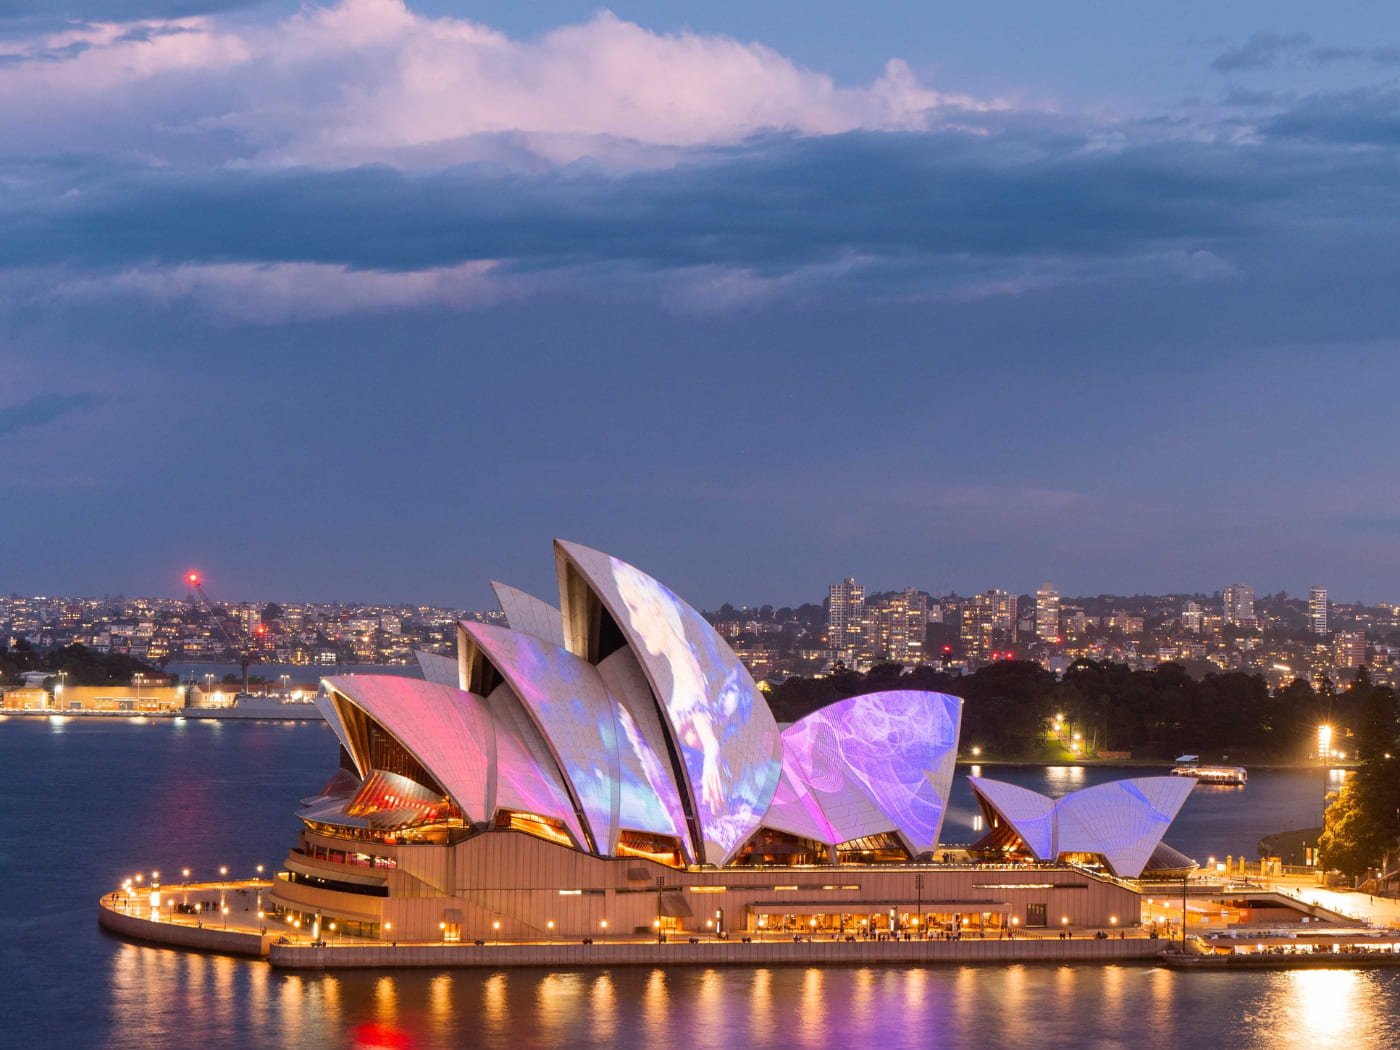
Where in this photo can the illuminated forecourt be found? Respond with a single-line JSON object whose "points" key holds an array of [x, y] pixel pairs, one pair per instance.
{"points": [[608, 767]]}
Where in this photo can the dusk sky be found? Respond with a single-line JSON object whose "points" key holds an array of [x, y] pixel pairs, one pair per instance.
{"points": [[370, 301]]}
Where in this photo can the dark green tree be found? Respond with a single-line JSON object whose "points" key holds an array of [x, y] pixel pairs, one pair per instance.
{"points": [[1360, 827]]}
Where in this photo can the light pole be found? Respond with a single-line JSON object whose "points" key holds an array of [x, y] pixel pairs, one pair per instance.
{"points": [[1324, 749], [137, 679], [919, 895], [660, 883], [1185, 880]]}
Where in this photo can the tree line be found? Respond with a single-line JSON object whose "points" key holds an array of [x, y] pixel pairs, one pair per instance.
{"points": [[1153, 714], [82, 665], [1362, 823]]}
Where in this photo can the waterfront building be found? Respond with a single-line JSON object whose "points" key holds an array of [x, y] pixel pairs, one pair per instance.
{"points": [[633, 780], [137, 698], [1317, 610]]}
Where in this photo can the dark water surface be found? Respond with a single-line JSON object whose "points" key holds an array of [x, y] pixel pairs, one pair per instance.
{"points": [[84, 803]]}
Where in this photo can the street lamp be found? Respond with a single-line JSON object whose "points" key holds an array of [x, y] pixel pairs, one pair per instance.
{"points": [[919, 896], [1185, 880], [660, 885], [1324, 748]]}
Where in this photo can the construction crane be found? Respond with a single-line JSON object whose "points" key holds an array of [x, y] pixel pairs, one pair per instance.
{"points": [[234, 636]]}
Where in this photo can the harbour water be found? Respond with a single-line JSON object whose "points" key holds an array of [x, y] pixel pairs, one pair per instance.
{"points": [[82, 804]]}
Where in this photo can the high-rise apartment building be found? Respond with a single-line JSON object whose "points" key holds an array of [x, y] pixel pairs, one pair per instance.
{"points": [[1239, 605], [988, 624], [1349, 648], [845, 615], [1317, 610], [1047, 613], [1192, 616], [896, 627]]}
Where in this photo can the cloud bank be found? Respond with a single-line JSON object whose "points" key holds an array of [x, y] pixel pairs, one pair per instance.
{"points": [[363, 157]]}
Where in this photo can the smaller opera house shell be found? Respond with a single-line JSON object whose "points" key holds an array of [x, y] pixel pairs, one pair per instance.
{"points": [[607, 767]]}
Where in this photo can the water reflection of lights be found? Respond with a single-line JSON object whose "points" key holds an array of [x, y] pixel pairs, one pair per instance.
{"points": [[379, 1035], [1324, 1008], [493, 1003], [862, 997], [440, 1001], [1111, 996], [1063, 778], [602, 997], [386, 999], [761, 1008], [813, 1026], [1014, 1016], [556, 1003], [656, 1001], [915, 992]]}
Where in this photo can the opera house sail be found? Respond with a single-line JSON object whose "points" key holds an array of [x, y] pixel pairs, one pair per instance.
{"points": [[608, 766]]}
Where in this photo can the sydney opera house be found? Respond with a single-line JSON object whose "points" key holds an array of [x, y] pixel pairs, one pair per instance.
{"points": [[607, 767]]}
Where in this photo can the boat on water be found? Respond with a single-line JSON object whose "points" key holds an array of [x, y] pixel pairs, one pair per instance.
{"points": [[1189, 766], [267, 708]]}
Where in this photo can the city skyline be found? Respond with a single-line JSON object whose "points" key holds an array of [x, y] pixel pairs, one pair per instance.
{"points": [[1226, 631], [302, 296]]}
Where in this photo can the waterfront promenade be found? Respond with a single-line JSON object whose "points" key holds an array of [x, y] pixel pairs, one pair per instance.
{"points": [[230, 921], [243, 930]]}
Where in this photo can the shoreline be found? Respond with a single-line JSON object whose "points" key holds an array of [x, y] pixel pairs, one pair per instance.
{"points": [[1140, 763], [228, 715]]}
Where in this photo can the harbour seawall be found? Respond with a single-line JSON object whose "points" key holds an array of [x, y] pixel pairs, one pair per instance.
{"points": [[713, 953], [208, 938]]}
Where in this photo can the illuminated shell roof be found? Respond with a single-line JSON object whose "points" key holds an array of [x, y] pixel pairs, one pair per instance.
{"points": [[720, 725], [645, 722], [877, 762], [525, 612], [475, 750], [1122, 821], [567, 696]]}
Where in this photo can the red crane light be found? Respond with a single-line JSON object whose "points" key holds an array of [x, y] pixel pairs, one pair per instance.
{"points": [[193, 578]]}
